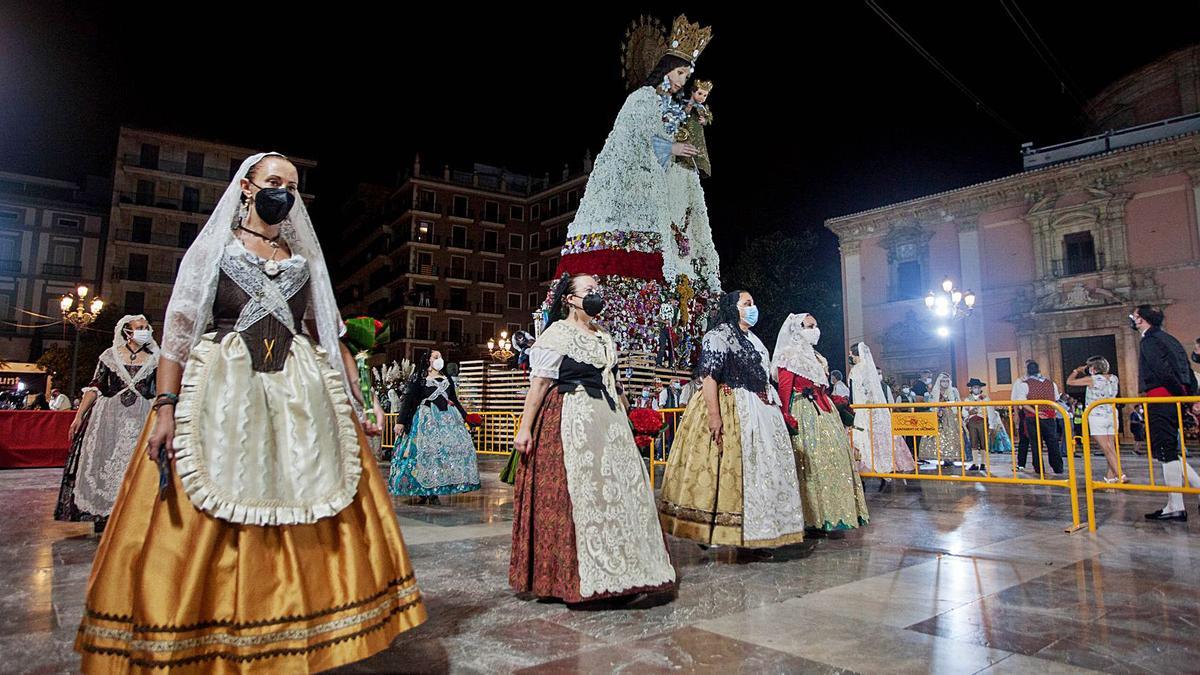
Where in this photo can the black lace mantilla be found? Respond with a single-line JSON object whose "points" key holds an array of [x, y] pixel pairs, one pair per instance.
{"points": [[733, 359]]}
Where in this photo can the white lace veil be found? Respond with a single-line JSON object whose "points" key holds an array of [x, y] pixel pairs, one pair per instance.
{"points": [[939, 393], [869, 374], [190, 309], [119, 338], [794, 353]]}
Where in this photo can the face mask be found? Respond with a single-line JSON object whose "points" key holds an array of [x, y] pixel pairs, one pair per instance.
{"points": [[750, 316], [1133, 323], [645, 393], [976, 390], [141, 335], [592, 304], [675, 386], [273, 204], [813, 335], [438, 364], [905, 390], [929, 380]]}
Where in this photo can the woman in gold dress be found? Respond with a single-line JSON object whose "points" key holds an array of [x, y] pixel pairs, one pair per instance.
{"points": [[264, 539]]}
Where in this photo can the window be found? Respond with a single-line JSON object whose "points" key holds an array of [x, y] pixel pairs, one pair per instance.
{"points": [[187, 234], [458, 236], [514, 302], [516, 213], [533, 301], [516, 242], [461, 207], [421, 328], [489, 302], [533, 241], [9, 248], [142, 227], [534, 272], [491, 241], [552, 237], [512, 329], [427, 201], [66, 254], [138, 264], [135, 302], [458, 267], [67, 223], [424, 231], [6, 303], [553, 208], [9, 216], [909, 280], [145, 193], [572, 200], [489, 272], [195, 164], [191, 199], [149, 156], [1079, 251], [491, 212], [487, 330], [1004, 371], [514, 270], [455, 334], [458, 299], [425, 264], [535, 212]]}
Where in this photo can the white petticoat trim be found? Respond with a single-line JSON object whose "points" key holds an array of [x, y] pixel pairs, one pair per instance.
{"points": [[217, 502]]}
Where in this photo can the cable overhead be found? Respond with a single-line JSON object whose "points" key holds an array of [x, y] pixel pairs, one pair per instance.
{"points": [[1057, 71], [912, 42]]}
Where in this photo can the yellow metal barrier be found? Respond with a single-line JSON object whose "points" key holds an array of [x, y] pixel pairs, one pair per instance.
{"points": [[1091, 484], [493, 437], [660, 447], [985, 475]]}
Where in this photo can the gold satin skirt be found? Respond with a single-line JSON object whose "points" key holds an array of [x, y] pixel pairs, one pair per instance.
{"points": [[175, 588]]}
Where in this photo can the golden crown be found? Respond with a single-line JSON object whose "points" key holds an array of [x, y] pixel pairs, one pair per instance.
{"points": [[704, 85], [687, 40]]}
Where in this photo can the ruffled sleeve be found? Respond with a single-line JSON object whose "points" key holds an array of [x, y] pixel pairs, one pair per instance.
{"points": [[544, 362], [714, 356]]}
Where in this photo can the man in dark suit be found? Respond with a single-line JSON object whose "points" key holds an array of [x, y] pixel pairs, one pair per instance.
{"points": [[1163, 371]]}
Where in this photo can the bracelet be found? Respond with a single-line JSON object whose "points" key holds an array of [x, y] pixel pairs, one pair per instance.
{"points": [[173, 398], [164, 402]]}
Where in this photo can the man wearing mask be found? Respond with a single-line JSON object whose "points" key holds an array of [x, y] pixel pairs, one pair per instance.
{"points": [[1163, 371], [645, 400], [922, 386], [1044, 418], [669, 395], [59, 400], [977, 422]]}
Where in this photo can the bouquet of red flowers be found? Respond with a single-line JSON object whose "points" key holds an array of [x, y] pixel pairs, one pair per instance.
{"points": [[647, 423], [842, 404], [474, 420]]}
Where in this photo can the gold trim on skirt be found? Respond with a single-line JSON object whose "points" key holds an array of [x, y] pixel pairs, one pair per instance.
{"points": [[174, 587]]}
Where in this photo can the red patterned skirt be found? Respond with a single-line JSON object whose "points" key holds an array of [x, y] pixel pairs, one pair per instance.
{"points": [[543, 559]]}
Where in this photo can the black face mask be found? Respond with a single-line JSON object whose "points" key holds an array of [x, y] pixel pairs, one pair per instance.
{"points": [[592, 304], [273, 204]]}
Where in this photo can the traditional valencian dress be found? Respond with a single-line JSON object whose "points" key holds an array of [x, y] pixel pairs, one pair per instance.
{"points": [[101, 449], [584, 523], [830, 488], [879, 451], [949, 444], [274, 547], [743, 492], [436, 455]]}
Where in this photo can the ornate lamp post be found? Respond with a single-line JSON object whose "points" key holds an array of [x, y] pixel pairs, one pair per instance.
{"points": [[76, 312], [501, 350], [948, 305]]}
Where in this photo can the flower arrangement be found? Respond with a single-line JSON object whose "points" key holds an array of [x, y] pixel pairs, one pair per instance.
{"points": [[474, 420], [363, 333], [646, 421]]}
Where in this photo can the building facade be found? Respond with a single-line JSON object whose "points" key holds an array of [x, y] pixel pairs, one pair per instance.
{"points": [[51, 241], [164, 188], [451, 258]]}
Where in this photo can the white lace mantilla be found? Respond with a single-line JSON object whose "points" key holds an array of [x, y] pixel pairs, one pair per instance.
{"points": [[618, 539]]}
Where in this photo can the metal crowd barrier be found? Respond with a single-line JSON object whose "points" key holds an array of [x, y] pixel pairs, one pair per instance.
{"points": [[493, 437], [1091, 484], [920, 427], [660, 447]]}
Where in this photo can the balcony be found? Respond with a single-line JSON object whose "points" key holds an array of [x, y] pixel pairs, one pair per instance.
{"points": [[1077, 265], [147, 276], [459, 305], [421, 334], [168, 203], [155, 238], [457, 338], [463, 214], [62, 271], [494, 219], [492, 309], [10, 266], [491, 278], [498, 249], [460, 244], [459, 274], [427, 206], [221, 175]]}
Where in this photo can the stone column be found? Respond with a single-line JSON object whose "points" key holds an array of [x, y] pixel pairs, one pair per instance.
{"points": [[972, 280], [852, 290]]}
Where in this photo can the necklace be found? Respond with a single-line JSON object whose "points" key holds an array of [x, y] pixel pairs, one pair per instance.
{"points": [[134, 352], [270, 267]]}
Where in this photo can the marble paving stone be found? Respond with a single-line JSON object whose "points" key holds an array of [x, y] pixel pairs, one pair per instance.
{"points": [[1018, 664]]}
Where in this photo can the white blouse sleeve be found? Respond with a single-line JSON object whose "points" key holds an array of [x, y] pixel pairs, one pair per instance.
{"points": [[544, 362]]}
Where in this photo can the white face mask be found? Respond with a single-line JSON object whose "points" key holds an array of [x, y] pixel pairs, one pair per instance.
{"points": [[438, 364], [141, 335], [812, 335]]}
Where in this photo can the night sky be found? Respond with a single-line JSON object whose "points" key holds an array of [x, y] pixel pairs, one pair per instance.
{"points": [[821, 111]]}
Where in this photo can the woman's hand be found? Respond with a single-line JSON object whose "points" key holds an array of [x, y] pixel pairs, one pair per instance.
{"points": [[716, 429], [400, 429], [684, 150], [163, 434], [375, 428], [75, 425], [524, 441]]}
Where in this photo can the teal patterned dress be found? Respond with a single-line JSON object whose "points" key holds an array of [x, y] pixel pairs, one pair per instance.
{"points": [[436, 456]]}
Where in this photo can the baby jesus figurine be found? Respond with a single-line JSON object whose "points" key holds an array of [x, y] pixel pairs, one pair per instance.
{"points": [[699, 116]]}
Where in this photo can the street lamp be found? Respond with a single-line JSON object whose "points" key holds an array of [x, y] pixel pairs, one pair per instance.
{"points": [[501, 350], [78, 313], [949, 305]]}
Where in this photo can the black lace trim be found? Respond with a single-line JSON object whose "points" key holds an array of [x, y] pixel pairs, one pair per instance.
{"points": [[737, 365]]}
